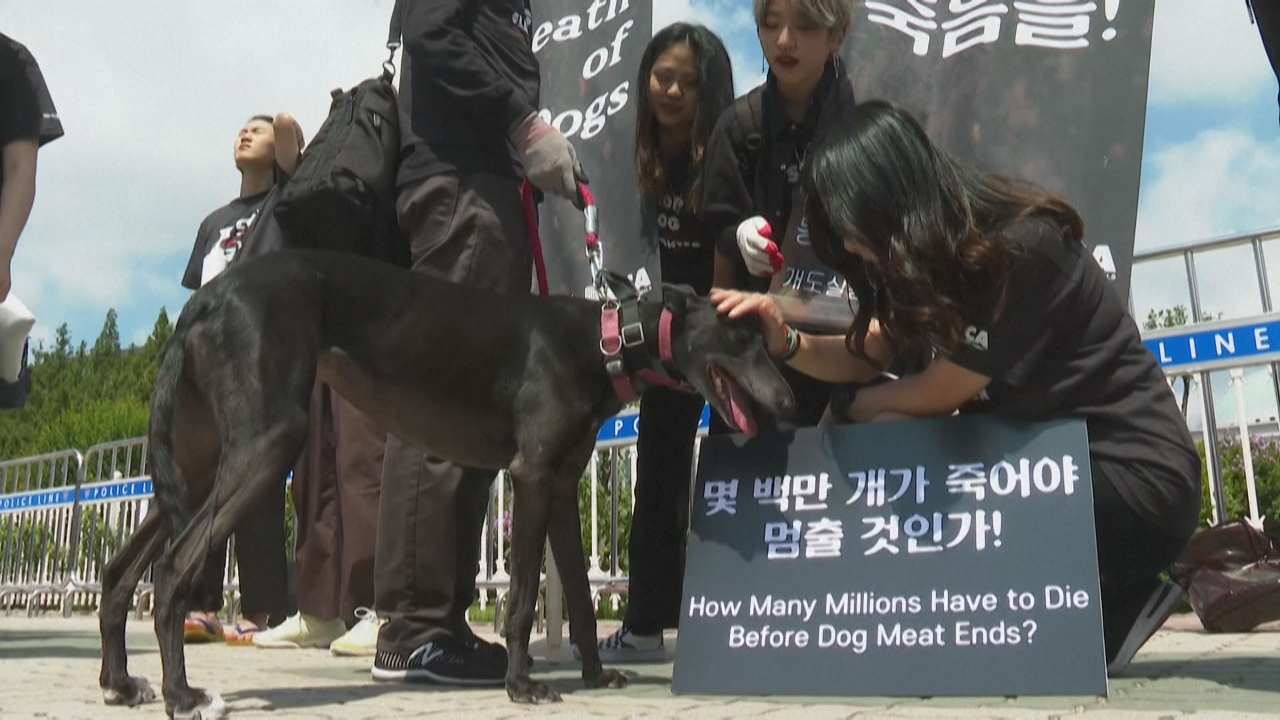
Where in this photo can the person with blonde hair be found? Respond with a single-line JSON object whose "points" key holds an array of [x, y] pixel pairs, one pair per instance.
{"points": [[758, 148]]}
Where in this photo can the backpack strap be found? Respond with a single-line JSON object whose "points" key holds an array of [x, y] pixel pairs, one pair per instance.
{"points": [[396, 32], [748, 140], [395, 37]]}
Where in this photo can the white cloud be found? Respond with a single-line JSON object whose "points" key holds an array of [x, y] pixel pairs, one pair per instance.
{"points": [[1221, 182], [1206, 51]]}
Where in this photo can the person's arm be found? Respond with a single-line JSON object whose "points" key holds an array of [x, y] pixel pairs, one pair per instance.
{"points": [[288, 142], [938, 390], [18, 193], [824, 357], [445, 56]]}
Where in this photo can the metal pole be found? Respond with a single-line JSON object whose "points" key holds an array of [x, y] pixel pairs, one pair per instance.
{"points": [[1212, 462], [1246, 447], [1264, 287]]}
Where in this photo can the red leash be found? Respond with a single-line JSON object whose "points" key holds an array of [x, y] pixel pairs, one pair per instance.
{"points": [[535, 239]]}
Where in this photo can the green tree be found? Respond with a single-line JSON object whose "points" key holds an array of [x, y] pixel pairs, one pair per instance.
{"points": [[1175, 316]]}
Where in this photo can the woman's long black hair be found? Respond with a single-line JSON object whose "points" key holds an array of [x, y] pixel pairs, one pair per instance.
{"points": [[933, 223], [715, 94]]}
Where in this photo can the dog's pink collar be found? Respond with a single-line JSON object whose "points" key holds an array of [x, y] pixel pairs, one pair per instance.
{"points": [[612, 343]]}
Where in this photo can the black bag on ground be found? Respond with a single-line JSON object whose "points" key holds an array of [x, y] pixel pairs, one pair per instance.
{"points": [[342, 194], [1232, 577]]}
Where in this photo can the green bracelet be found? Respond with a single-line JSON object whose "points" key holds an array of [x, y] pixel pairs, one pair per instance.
{"points": [[792, 343]]}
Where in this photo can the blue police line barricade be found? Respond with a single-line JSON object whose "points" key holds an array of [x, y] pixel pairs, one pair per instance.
{"points": [[950, 556], [624, 428], [107, 491], [1216, 345]]}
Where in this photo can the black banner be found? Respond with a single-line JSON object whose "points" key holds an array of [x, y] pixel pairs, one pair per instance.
{"points": [[1053, 91], [590, 52], [951, 556]]}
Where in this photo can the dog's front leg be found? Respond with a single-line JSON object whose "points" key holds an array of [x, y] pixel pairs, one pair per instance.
{"points": [[566, 547], [532, 497]]}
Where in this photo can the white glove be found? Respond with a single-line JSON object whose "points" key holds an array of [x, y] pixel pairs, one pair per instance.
{"points": [[549, 159], [758, 250]]}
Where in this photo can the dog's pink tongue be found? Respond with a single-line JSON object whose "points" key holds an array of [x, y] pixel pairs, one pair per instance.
{"points": [[740, 408]]}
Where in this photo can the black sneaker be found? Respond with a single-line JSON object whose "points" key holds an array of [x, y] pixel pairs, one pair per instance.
{"points": [[443, 660]]}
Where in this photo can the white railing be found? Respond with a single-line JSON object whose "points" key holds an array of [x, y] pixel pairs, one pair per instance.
{"points": [[63, 515]]}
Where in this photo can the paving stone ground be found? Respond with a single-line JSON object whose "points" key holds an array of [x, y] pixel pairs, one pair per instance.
{"points": [[49, 669]]}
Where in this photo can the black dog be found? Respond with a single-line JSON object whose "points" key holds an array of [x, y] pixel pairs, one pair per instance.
{"points": [[475, 377]]}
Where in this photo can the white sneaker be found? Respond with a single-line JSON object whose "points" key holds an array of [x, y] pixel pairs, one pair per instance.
{"points": [[301, 631], [362, 638], [624, 646]]}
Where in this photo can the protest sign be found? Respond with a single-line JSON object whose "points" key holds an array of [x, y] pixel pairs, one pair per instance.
{"points": [[589, 53], [950, 556], [1053, 91]]}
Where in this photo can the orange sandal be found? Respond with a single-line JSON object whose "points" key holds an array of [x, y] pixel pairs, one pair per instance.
{"points": [[243, 632], [199, 630]]}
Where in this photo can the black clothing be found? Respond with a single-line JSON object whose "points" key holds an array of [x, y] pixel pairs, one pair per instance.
{"points": [[468, 229], [731, 196], [26, 109], [468, 78], [686, 254], [1064, 345], [224, 231]]}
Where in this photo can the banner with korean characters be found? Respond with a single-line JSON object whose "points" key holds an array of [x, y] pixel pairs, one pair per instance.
{"points": [[589, 54], [951, 556], [1051, 91]]}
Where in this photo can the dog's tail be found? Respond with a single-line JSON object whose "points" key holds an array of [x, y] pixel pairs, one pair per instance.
{"points": [[160, 431]]}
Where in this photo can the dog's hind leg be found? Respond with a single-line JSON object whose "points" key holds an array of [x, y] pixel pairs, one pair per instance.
{"points": [[566, 546], [251, 462], [119, 580]]}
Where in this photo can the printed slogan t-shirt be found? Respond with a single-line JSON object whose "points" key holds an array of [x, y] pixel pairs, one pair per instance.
{"points": [[686, 254], [1065, 346], [222, 232]]}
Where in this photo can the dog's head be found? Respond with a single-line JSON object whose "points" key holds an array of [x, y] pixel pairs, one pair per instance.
{"points": [[725, 360]]}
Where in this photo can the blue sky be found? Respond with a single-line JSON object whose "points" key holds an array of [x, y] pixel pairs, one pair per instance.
{"points": [[151, 93]]}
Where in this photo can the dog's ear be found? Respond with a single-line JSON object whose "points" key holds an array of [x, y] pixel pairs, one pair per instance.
{"points": [[677, 297]]}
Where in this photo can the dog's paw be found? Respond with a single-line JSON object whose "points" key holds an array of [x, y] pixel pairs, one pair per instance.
{"points": [[132, 692], [528, 690], [213, 707], [605, 678]]}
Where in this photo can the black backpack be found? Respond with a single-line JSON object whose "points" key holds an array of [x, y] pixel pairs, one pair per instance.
{"points": [[342, 194], [747, 142]]}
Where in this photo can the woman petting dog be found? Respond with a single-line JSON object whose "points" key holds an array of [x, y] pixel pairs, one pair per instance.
{"points": [[992, 276], [690, 84]]}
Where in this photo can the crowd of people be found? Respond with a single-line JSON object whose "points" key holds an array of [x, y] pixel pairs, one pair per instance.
{"points": [[388, 536]]}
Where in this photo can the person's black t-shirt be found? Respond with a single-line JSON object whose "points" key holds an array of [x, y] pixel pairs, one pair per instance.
{"points": [[686, 254], [1064, 345], [731, 195], [222, 231], [26, 109]]}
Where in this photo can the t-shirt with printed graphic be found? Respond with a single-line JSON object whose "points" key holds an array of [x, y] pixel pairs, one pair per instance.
{"points": [[1064, 345], [686, 254], [222, 232]]}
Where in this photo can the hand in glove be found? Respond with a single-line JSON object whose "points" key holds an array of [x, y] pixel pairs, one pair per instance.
{"points": [[549, 160], [760, 252]]}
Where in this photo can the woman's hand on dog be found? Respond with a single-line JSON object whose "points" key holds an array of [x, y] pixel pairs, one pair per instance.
{"points": [[736, 303]]}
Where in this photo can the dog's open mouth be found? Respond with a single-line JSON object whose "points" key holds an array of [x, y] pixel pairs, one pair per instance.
{"points": [[732, 399]]}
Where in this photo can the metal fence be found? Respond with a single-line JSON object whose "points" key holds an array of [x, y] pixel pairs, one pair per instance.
{"points": [[63, 515], [1217, 249]]}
